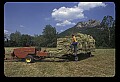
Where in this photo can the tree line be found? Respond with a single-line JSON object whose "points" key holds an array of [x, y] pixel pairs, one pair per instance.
{"points": [[47, 39], [103, 34]]}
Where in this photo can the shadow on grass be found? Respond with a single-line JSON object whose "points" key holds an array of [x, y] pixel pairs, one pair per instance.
{"points": [[63, 58], [67, 58]]}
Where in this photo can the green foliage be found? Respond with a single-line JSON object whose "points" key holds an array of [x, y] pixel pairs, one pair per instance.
{"points": [[37, 40], [15, 38], [26, 40], [48, 39], [49, 36], [107, 21]]}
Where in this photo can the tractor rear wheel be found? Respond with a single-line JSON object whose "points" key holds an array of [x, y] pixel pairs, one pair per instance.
{"points": [[29, 59]]}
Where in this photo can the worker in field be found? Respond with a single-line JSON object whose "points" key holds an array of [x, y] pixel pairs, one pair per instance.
{"points": [[74, 44]]}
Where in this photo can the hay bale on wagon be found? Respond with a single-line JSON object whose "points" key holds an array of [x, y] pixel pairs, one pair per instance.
{"points": [[85, 43]]}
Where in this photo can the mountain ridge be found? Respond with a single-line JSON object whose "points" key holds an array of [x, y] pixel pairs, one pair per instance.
{"points": [[82, 27]]}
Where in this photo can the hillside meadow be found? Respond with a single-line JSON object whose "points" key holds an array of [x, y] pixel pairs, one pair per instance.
{"points": [[101, 64]]}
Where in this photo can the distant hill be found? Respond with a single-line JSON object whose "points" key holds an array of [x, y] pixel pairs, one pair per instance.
{"points": [[91, 27], [89, 23]]}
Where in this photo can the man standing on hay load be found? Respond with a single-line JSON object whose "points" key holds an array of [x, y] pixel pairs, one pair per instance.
{"points": [[74, 44]]}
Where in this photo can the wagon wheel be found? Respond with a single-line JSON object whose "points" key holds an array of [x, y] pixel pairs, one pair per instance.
{"points": [[90, 54], [29, 59]]}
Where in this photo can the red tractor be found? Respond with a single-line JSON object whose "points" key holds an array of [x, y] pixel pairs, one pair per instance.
{"points": [[29, 54]]}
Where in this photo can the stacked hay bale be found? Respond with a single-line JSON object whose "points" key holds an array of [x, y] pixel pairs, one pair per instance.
{"points": [[82, 41], [91, 43], [86, 43], [63, 44]]}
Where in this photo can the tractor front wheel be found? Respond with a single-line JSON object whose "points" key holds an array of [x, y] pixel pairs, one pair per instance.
{"points": [[29, 59]]}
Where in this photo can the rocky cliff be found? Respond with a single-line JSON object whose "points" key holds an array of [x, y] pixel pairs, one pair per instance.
{"points": [[89, 23]]}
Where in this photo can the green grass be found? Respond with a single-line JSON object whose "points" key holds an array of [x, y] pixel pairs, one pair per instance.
{"points": [[102, 64]]}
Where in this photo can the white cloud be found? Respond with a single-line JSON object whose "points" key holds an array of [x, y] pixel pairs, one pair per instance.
{"points": [[65, 15], [54, 9], [69, 14], [89, 5], [66, 22], [5, 31], [22, 26]]}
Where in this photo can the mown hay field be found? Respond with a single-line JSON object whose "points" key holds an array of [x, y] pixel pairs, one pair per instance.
{"points": [[102, 64]]}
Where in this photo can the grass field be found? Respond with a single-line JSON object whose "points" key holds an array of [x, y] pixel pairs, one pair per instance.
{"points": [[102, 64]]}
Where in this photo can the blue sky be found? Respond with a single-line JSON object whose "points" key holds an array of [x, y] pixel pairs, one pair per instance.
{"points": [[31, 17]]}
